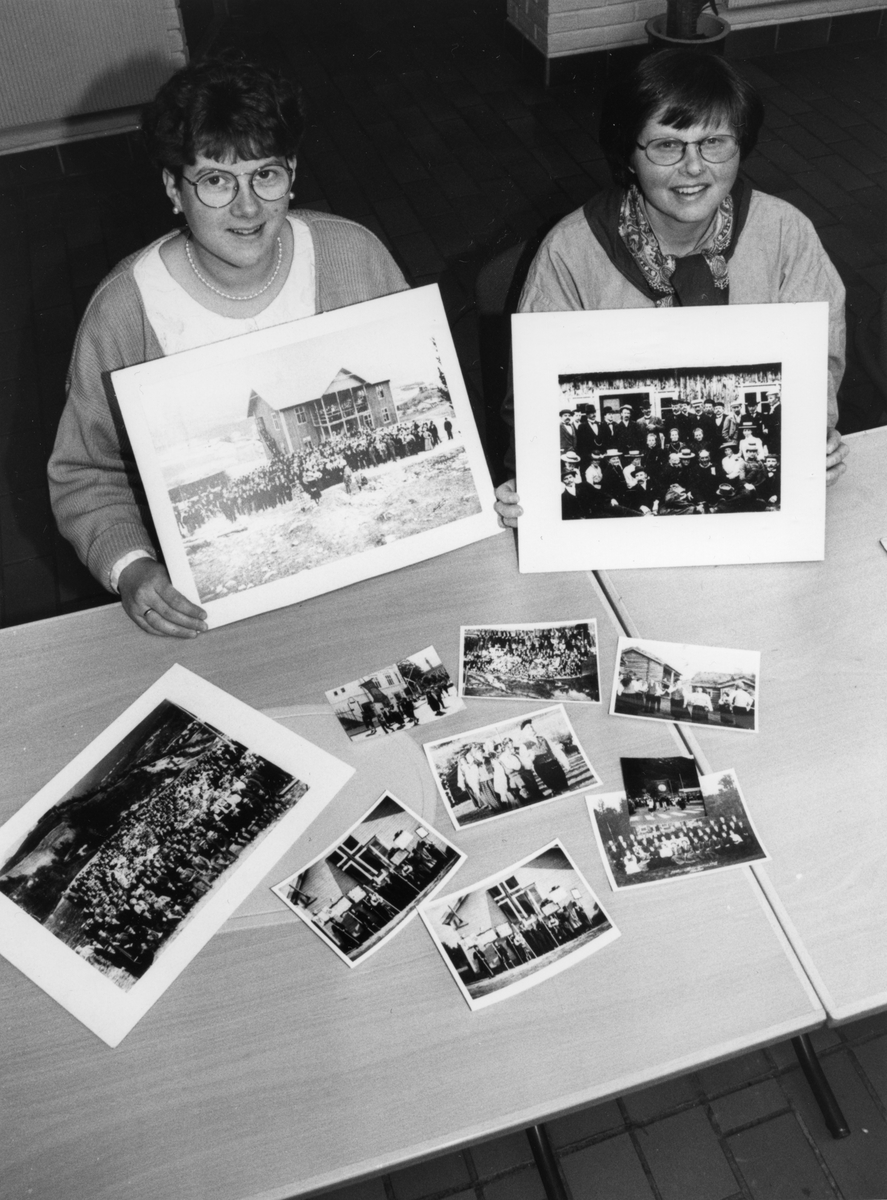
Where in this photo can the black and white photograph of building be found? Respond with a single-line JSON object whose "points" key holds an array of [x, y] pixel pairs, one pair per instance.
{"points": [[415, 691], [123, 861], [518, 927], [671, 834], [509, 765], [699, 685], [359, 892], [554, 660]]}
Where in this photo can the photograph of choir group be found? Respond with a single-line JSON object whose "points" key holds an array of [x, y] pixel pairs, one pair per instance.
{"points": [[552, 660], [506, 766], [360, 891], [663, 827], [671, 442], [119, 865], [700, 685], [524, 924], [414, 691]]}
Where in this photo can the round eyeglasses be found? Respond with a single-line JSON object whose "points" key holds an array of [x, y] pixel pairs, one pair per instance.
{"points": [[217, 189], [665, 152]]}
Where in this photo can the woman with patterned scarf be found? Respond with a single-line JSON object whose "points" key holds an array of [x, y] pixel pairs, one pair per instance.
{"points": [[681, 227]]}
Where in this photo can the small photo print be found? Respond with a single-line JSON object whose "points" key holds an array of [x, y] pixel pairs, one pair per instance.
{"points": [[516, 928], [415, 691], [501, 768], [640, 844], [554, 660], [661, 783], [360, 891], [698, 685]]}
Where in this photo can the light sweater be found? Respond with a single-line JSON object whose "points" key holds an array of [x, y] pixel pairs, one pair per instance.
{"points": [[97, 495]]}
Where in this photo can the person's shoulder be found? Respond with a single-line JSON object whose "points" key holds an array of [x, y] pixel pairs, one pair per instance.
{"points": [[335, 227], [119, 286], [566, 231], [772, 211]]}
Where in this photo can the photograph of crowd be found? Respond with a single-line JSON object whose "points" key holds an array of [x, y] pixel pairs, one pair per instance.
{"points": [[518, 927], [415, 691], [553, 660], [366, 887], [699, 685], [120, 864], [671, 442], [656, 836], [509, 765]]}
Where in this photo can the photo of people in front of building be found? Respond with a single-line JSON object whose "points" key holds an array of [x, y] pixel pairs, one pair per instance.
{"points": [[672, 442], [509, 765], [699, 685], [556, 660], [520, 926], [660, 828], [363, 889], [415, 691]]}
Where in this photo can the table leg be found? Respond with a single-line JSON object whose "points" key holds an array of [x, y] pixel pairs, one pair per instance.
{"points": [[546, 1163], [819, 1085]]}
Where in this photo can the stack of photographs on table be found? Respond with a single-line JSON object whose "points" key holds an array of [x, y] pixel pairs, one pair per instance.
{"points": [[670, 822], [518, 927], [509, 765], [365, 887], [291, 461], [699, 685], [551, 660], [415, 691]]}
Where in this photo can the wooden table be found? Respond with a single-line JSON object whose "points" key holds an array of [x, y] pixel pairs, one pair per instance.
{"points": [[269, 1068]]}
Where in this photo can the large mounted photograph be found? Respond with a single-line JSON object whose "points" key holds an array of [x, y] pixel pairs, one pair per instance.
{"points": [[626, 420], [289, 462], [123, 866]]}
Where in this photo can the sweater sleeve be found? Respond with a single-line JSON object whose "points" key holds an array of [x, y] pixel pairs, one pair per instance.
{"points": [[97, 496]]}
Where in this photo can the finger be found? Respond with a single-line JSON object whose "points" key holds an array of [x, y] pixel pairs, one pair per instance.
{"points": [[180, 604], [161, 626]]}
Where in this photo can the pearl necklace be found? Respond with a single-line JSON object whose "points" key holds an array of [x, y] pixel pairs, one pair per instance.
{"points": [[227, 295]]}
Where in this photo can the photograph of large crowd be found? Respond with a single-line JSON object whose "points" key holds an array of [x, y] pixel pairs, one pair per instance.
{"points": [[665, 833], [699, 685], [360, 891], [672, 442], [509, 765], [518, 927], [119, 865], [415, 691], [554, 660]]}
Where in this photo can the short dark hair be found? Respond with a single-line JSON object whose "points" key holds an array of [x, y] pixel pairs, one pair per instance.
{"points": [[221, 106], [687, 87]]}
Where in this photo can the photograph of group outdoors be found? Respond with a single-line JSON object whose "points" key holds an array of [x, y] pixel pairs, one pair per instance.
{"points": [[552, 660], [509, 765], [671, 442], [660, 828], [518, 927], [364, 888], [415, 691], [119, 865], [701, 685]]}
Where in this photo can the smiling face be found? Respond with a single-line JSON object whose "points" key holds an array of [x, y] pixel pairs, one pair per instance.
{"points": [[682, 199]]}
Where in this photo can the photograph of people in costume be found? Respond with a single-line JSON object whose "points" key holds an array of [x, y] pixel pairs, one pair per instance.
{"points": [[315, 451], [699, 685], [364, 888], [118, 866], [518, 927], [552, 660], [672, 442], [415, 691], [509, 765], [658, 835]]}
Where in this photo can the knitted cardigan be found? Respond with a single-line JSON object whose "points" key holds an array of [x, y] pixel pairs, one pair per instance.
{"points": [[97, 495]]}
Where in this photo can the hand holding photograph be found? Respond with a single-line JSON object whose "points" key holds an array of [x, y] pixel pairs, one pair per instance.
{"points": [[518, 927], [124, 865], [415, 691], [295, 460], [551, 660]]}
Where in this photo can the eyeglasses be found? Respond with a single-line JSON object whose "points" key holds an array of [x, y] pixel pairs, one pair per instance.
{"points": [[218, 189], [665, 152]]}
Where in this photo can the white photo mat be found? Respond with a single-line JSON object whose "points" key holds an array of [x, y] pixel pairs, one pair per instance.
{"points": [[181, 390], [93, 998], [631, 341]]}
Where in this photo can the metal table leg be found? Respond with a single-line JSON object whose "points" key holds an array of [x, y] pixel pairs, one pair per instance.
{"points": [[546, 1163], [819, 1085]]}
